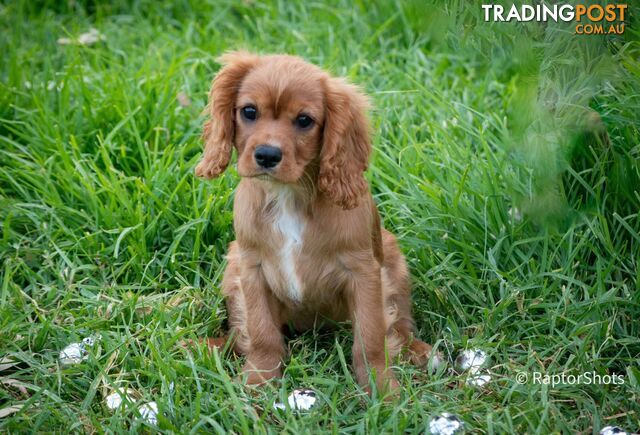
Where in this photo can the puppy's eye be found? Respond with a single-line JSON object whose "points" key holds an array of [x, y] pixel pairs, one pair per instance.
{"points": [[304, 121], [249, 113]]}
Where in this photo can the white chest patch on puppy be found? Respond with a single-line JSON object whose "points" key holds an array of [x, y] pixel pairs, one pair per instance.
{"points": [[290, 223]]}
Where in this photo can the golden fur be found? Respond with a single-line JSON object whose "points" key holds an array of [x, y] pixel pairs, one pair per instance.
{"points": [[309, 244]]}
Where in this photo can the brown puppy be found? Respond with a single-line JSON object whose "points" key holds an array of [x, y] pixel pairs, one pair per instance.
{"points": [[309, 244]]}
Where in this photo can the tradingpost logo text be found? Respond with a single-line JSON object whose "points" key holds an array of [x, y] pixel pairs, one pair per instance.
{"points": [[589, 19]]}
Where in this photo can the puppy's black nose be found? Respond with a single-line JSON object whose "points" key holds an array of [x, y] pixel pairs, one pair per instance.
{"points": [[267, 156]]}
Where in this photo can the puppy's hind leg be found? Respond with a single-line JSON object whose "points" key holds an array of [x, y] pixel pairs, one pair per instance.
{"points": [[400, 329], [397, 307]]}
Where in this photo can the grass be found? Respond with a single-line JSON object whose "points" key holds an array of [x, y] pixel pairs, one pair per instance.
{"points": [[517, 213]]}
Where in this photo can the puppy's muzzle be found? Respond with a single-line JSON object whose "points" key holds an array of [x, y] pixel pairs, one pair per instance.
{"points": [[267, 156]]}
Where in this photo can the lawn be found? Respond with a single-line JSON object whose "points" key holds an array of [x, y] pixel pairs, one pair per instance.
{"points": [[506, 160]]}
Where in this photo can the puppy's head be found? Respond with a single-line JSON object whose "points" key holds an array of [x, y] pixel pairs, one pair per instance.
{"points": [[286, 117]]}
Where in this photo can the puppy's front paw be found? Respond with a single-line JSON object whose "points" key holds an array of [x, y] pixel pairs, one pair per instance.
{"points": [[261, 373], [387, 386]]}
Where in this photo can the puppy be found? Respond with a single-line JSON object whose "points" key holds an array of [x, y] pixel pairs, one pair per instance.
{"points": [[309, 244]]}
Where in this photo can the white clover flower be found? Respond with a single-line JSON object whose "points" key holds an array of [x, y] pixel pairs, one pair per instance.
{"points": [[299, 400]]}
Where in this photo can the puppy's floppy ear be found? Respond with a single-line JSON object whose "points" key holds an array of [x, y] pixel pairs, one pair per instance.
{"points": [[219, 131], [346, 146]]}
